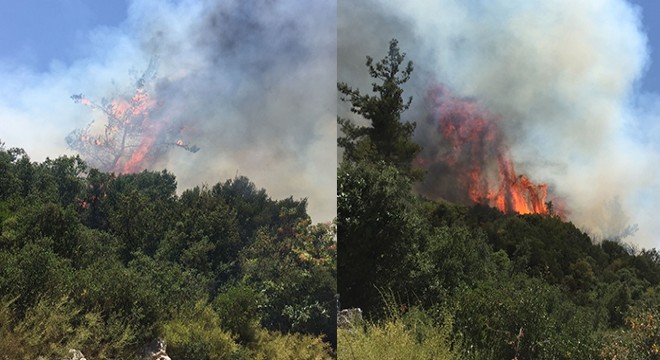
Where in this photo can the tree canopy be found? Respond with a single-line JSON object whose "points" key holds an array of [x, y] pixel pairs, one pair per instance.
{"points": [[387, 138], [106, 263]]}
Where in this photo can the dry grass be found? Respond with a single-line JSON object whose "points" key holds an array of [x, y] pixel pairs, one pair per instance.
{"points": [[410, 336]]}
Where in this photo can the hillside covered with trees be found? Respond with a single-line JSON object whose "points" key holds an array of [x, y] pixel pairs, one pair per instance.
{"points": [[107, 263], [439, 280]]}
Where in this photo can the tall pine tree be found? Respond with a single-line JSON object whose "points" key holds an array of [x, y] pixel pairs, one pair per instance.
{"points": [[387, 139], [378, 227]]}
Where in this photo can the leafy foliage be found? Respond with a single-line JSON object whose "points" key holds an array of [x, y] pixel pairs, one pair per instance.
{"points": [[107, 263], [378, 231], [387, 139], [198, 335], [410, 335]]}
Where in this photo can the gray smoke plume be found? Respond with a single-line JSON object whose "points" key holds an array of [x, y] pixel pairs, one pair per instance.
{"points": [[561, 75], [251, 83]]}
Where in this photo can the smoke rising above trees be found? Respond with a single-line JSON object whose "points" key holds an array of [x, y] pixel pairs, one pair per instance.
{"points": [[129, 139], [561, 76], [251, 84]]}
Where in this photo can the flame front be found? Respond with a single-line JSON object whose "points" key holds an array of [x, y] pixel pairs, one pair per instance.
{"points": [[473, 152], [129, 136], [135, 114], [131, 139]]}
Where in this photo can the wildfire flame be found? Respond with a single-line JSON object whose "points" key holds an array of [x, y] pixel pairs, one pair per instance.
{"points": [[474, 153], [131, 138], [129, 133]]}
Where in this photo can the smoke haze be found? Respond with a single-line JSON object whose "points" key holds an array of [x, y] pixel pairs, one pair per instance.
{"points": [[563, 78], [251, 83]]}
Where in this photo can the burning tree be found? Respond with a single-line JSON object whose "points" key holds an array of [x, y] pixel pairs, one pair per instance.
{"points": [[131, 136], [471, 162]]}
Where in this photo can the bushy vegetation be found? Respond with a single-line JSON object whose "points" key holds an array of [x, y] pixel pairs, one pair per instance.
{"points": [[401, 334], [488, 285], [106, 263]]}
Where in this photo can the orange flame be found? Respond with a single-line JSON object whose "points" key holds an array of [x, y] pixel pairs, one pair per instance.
{"points": [[132, 115], [131, 139], [134, 163], [474, 151]]}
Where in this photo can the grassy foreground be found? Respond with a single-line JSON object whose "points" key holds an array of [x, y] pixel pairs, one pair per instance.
{"points": [[410, 335]]}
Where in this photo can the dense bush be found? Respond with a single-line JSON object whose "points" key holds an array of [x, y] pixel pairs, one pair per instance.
{"points": [[106, 263], [413, 335]]}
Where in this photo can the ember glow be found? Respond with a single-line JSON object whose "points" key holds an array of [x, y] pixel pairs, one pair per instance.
{"points": [[472, 154]]}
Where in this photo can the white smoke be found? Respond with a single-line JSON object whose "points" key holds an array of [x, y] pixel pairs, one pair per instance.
{"points": [[561, 74], [251, 83]]}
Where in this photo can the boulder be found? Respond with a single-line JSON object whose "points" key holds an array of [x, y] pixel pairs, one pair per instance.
{"points": [[349, 317], [75, 355], [156, 350]]}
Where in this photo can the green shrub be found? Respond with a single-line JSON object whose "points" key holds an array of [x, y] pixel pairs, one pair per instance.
{"points": [[238, 308], [413, 335], [197, 335], [53, 326], [294, 346]]}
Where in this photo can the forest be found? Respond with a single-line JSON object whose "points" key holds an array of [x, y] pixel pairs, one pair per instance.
{"points": [[441, 280], [107, 263]]}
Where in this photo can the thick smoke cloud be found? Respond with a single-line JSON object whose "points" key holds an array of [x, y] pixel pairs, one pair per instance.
{"points": [[250, 83], [561, 75]]}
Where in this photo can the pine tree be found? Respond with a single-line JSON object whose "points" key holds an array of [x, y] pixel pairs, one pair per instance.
{"points": [[387, 139], [378, 227]]}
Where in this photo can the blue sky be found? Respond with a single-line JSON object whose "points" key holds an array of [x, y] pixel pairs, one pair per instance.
{"points": [[651, 25], [35, 33]]}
